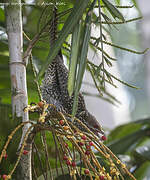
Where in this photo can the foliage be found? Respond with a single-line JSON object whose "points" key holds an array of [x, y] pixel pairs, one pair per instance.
{"points": [[36, 21], [131, 143]]}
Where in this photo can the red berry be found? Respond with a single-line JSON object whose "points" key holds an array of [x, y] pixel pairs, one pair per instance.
{"points": [[5, 156], [83, 137], [101, 177], [87, 152], [96, 126], [61, 122], [65, 158], [68, 162], [66, 145], [88, 147], [4, 176], [86, 171], [91, 143], [73, 164], [103, 138], [41, 104], [75, 131], [81, 144], [25, 152]]}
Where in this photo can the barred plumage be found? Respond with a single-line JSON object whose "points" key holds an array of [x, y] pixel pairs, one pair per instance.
{"points": [[54, 91]]}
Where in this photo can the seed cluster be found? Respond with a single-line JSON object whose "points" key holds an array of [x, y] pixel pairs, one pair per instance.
{"points": [[72, 145]]}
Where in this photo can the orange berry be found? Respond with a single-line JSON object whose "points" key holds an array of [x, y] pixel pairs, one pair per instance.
{"points": [[40, 104], [4, 176], [66, 128]]}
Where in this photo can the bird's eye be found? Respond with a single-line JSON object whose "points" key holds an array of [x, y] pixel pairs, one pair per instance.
{"points": [[96, 126]]}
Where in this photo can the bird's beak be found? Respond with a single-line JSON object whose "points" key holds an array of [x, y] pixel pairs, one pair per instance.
{"points": [[98, 132]]}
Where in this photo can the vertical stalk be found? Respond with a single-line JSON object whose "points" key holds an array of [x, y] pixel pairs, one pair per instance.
{"points": [[18, 76]]}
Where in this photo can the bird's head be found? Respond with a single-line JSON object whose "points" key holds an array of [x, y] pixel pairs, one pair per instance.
{"points": [[92, 123]]}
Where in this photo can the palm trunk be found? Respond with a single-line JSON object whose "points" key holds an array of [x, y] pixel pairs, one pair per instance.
{"points": [[18, 75]]}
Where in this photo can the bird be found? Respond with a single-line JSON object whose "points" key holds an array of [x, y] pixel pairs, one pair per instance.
{"points": [[54, 89]]}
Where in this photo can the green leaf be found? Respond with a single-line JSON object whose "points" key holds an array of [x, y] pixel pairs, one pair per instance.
{"points": [[142, 152], [113, 10], [74, 57], [143, 172], [71, 21], [2, 16], [123, 82], [107, 62], [143, 121], [123, 130], [83, 57], [117, 2], [134, 2], [127, 143], [138, 8]]}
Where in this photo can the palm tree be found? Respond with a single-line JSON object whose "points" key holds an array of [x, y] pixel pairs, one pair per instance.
{"points": [[74, 21]]}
